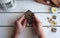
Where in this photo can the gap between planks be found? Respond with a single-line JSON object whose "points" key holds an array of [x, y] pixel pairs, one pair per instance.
{"points": [[24, 12], [28, 26]]}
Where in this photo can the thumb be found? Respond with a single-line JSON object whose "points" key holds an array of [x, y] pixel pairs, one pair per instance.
{"points": [[25, 22], [33, 25]]}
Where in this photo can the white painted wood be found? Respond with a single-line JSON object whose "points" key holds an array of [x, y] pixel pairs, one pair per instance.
{"points": [[6, 32], [8, 19], [28, 5], [22, 6], [24, 0], [50, 34]]}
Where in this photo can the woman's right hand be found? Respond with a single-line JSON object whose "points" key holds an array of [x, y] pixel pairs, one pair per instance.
{"points": [[37, 27]]}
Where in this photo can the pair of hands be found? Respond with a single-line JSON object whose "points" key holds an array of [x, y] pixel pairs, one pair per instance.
{"points": [[21, 24]]}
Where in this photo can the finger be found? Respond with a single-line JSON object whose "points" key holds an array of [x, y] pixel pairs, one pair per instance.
{"points": [[36, 19], [33, 25], [25, 23], [21, 19], [37, 22]]}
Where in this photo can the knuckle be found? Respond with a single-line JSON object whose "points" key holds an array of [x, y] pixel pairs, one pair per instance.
{"points": [[17, 21]]}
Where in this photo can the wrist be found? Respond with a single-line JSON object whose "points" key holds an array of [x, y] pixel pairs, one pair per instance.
{"points": [[41, 36], [17, 32], [15, 35], [38, 36]]}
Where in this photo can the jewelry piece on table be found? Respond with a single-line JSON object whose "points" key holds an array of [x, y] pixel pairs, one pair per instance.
{"points": [[48, 1], [53, 29], [52, 20], [53, 23], [54, 10], [54, 17]]}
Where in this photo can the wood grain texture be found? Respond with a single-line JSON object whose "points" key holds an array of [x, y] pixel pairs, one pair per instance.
{"points": [[8, 19], [6, 32], [22, 6]]}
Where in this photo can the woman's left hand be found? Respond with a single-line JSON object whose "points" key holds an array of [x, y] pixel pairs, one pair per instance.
{"points": [[21, 24]]}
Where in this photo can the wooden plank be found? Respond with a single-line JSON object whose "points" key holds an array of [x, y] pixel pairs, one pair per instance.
{"points": [[28, 5], [6, 32], [24, 0], [8, 19]]}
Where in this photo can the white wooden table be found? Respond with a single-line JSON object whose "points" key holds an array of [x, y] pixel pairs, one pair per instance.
{"points": [[8, 17]]}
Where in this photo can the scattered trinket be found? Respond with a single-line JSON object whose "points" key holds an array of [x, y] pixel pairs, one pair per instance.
{"points": [[54, 16], [49, 20], [53, 23], [53, 29], [48, 2], [29, 16], [54, 9]]}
